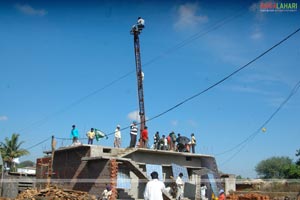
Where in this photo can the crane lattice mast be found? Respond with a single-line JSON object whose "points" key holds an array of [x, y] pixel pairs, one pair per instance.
{"points": [[135, 31]]}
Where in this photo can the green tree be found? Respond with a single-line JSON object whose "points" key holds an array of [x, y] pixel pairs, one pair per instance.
{"points": [[293, 171], [26, 163], [298, 155], [274, 167], [11, 148]]}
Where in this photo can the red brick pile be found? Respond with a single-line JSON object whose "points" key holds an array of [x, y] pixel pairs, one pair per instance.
{"points": [[248, 196]]}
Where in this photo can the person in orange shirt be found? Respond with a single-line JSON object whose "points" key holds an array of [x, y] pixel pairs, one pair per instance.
{"points": [[222, 195], [145, 137]]}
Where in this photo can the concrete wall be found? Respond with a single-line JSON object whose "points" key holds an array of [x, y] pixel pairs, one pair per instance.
{"points": [[229, 184], [13, 184], [72, 173], [159, 158]]}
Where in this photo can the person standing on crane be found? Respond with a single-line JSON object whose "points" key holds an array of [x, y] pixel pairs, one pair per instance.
{"points": [[140, 23], [139, 26]]}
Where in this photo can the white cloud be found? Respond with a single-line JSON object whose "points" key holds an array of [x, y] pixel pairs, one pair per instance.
{"points": [[192, 123], [174, 122], [256, 35], [3, 118], [248, 89], [187, 16], [134, 116], [259, 16], [28, 10], [252, 78]]}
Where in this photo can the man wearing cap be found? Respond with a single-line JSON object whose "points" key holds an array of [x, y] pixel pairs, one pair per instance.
{"points": [[117, 141]]}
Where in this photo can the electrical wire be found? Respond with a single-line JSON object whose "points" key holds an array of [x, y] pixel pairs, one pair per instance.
{"points": [[251, 137], [220, 81], [243, 144], [190, 39], [226, 77], [39, 143]]}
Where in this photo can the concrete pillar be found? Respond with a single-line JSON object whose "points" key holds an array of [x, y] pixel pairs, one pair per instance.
{"points": [[230, 184]]}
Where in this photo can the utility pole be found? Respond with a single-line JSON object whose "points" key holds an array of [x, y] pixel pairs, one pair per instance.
{"points": [[136, 31]]}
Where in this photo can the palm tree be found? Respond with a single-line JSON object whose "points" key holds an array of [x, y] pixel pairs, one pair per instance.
{"points": [[10, 149]]}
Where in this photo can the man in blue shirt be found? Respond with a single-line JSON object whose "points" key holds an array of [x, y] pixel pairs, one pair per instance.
{"points": [[74, 134]]}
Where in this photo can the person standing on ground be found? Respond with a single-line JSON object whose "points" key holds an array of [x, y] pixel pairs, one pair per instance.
{"points": [[117, 140], [203, 189], [91, 136], [145, 137], [222, 195], [133, 134], [193, 142], [74, 134], [180, 187], [106, 194], [154, 188]]}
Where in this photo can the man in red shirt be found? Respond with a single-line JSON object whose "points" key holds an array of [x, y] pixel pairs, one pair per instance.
{"points": [[145, 137]]}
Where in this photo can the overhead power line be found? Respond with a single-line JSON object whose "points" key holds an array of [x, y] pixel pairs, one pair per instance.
{"points": [[226, 77], [183, 43], [39, 143], [220, 81], [243, 144]]}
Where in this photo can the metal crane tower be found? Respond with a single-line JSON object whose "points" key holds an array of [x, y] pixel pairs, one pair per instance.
{"points": [[135, 31]]}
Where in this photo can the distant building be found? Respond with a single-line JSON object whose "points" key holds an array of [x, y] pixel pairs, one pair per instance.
{"points": [[27, 170]]}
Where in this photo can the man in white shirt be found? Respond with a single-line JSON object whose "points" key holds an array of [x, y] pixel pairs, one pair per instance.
{"points": [[203, 189], [154, 188], [117, 141], [180, 185]]}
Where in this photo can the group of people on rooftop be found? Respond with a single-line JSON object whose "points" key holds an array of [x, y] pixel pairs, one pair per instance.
{"points": [[171, 142]]}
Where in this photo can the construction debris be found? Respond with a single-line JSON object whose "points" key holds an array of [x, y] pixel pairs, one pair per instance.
{"points": [[54, 193], [248, 196]]}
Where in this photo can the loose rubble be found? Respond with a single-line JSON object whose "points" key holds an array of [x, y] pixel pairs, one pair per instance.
{"points": [[54, 193]]}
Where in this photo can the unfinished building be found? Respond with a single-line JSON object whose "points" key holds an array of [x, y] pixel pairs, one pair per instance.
{"points": [[90, 168]]}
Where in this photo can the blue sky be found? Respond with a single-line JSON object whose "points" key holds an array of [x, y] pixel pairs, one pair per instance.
{"points": [[58, 57]]}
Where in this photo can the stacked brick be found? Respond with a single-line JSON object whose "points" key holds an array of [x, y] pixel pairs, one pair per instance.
{"points": [[113, 178]]}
